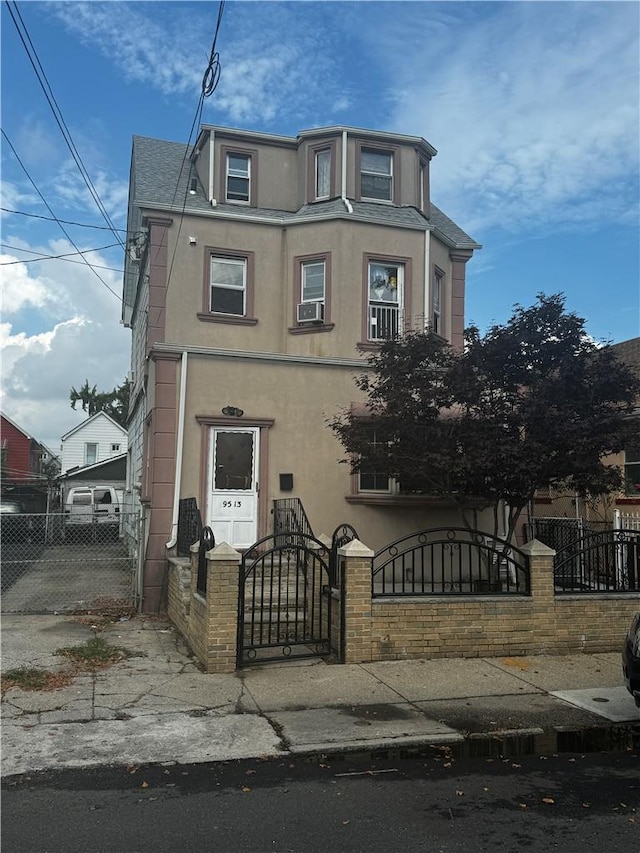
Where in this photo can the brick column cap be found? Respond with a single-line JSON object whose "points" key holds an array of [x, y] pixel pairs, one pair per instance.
{"points": [[535, 548], [224, 551], [355, 548]]}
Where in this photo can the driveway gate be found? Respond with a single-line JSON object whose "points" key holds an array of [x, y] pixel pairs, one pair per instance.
{"points": [[284, 600]]}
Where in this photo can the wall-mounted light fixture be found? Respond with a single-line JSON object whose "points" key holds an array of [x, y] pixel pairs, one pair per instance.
{"points": [[192, 241], [193, 186], [232, 412]]}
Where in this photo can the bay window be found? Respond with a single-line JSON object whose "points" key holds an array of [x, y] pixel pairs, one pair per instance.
{"points": [[376, 174]]}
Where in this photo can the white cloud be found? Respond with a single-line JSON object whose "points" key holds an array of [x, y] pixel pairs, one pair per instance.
{"points": [[535, 124], [72, 334]]}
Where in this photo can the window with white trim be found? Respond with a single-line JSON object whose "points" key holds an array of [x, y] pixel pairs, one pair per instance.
{"points": [[385, 288], [372, 480], [323, 174], [228, 286], [436, 317], [312, 281], [90, 453], [376, 174], [238, 178]]}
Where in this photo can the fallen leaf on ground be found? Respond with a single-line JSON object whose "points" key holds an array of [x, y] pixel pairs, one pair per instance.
{"points": [[548, 800]]}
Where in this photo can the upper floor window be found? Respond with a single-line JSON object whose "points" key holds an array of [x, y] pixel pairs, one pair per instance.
{"points": [[228, 285], [385, 300], [323, 174], [312, 281], [438, 283], [115, 448], [238, 178], [90, 453], [376, 174]]}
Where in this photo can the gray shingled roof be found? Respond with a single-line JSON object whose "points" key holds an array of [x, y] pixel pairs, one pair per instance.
{"points": [[162, 172]]}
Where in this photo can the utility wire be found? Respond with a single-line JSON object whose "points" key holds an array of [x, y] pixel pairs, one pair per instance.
{"points": [[63, 257], [210, 81], [65, 221], [62, 228], [57, 114]]}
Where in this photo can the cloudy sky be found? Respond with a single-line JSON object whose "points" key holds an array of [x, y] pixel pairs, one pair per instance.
{"points": [[533, 108]]}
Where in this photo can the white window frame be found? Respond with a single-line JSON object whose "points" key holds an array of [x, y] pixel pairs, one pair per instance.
{"points": [[391, 484], [436, 302], [241, 262], [380, 301], [87, 445], [304, 267], [237, 173], [388, 174], [320, 191]]}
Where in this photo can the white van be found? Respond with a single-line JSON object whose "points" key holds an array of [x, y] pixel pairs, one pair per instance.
{"points": [[93, 505]]}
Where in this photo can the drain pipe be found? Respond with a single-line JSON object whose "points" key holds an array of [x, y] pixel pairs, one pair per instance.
{"points": [[343, 190], [179, 448], [427, 278]]}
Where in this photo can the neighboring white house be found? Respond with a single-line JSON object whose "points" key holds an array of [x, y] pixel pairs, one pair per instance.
{"points": [[94, 440]]}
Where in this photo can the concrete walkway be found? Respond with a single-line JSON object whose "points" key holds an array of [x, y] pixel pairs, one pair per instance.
{"points": [[157, 706]]}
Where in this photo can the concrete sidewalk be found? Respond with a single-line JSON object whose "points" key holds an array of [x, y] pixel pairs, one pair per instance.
{"points": [[158, 706]]}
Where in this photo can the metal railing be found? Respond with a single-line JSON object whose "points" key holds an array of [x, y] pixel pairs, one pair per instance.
{"points": [[189, 525], [450, 561], [383, 322], [207, 542], [289, 517], [608, 561], [343, 534]]}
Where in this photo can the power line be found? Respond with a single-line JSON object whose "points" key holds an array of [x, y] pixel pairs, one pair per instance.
{"points": [[210, 81], [57, 114], [65, 221], [63, 257], [62, 228]]}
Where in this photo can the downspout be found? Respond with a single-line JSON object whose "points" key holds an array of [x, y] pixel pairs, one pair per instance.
{"points": [[179, 448], [343, 190], [212, 163], [427, 278]]}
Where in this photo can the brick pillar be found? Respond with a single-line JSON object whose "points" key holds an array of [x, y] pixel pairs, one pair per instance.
{"points": [[213, 621], [543, 596], [355, 559]]}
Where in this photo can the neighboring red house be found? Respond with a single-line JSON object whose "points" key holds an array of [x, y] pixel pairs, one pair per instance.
{"points": [[21, 465]]}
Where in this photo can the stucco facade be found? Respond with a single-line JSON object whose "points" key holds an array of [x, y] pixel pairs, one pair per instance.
{"points": [[238, 247]]}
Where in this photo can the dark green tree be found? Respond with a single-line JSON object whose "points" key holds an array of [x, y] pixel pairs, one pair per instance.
{"points": [[532, 403], [114, 403]]}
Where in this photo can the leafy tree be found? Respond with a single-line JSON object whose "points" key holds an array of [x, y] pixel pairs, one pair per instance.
{"points": [[114, 403], [532, 403]]}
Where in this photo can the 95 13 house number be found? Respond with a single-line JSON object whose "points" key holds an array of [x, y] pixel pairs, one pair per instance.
{"points": [[230, 504]]}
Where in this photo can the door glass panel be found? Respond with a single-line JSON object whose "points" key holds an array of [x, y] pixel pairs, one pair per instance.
{"points": [[233, 461]]}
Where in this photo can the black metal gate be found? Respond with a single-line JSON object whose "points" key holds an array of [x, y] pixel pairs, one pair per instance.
{"points": [[284, 605]]}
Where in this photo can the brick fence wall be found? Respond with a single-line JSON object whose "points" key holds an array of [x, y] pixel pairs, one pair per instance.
{"points": [[409, 627]]}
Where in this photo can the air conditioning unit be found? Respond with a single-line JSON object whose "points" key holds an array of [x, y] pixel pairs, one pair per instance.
{"points": [[311, 312]]}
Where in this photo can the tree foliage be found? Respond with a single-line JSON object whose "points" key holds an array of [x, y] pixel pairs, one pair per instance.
{"points": [[114, 403], [532, 403]]}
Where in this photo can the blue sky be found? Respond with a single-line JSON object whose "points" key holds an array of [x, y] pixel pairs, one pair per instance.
{"points": [[533, 108]]}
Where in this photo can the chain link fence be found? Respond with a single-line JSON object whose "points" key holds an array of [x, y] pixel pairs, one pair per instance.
{"points": [[50, 564]]}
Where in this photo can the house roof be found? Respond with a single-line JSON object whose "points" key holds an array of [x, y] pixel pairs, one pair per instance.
{"points": [[16, 426], [629, 353], [89, 420], [114, 468], [162, 171]]}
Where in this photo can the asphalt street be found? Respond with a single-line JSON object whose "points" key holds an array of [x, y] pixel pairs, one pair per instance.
{"points": [[576, 803]]}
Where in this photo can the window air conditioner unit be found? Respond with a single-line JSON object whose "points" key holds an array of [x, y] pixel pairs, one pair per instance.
{"points": [[310, 312]]}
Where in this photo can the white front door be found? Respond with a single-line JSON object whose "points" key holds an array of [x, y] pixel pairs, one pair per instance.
{"points": [[232, 511]]}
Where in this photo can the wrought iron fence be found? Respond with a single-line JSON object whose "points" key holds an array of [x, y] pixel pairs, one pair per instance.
{"points": [[343, 534], [608, 561], [189, 525], [207, 542], [283, 603], [53, 563], [289, 517], [450, 561]]}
